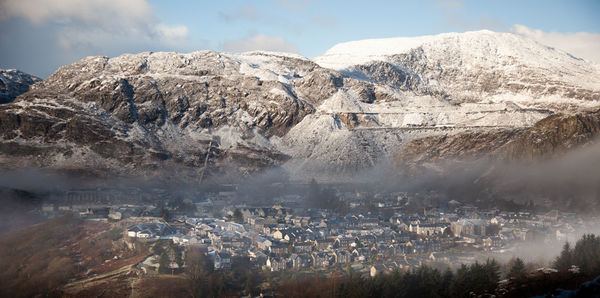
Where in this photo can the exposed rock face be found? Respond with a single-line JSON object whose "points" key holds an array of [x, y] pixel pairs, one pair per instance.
{"points": [[214, 113], [204, 89], [14, 83], [553, 135], [143, 111]]}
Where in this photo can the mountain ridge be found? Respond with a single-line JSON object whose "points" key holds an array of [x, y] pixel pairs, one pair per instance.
{"points": [[206, 111]]}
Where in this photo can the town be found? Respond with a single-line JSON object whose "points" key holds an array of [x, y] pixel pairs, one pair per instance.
{"points": [[365, 232]]}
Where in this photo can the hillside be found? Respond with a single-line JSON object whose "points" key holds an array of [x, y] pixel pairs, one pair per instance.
{"points": [[207, 114], [556, 134], [45, 257]]}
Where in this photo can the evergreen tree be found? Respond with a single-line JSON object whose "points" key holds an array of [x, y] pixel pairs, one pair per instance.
{"points": [[238, 217], [586, 254], [492, 269], [447, 279], [163, 264], [518, 269], [178, 256], [565, 259], [165, 214]]}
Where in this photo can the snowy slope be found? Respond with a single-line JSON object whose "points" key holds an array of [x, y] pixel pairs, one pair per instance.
{"points": [[475, 48], [344, 55], [350, 109], [480, 65]]}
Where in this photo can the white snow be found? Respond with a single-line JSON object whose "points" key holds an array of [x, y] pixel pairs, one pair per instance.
{"points": [[471, 56], [267, 66], [470, 51], [346, 54], [325, 138]]}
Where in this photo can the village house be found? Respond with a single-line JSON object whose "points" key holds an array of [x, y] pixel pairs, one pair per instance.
{"points": [[344, 242], [263, 243], [303, 247], [362, 254], [428, 229], [276, 263], [378, 269], [299, 261], [279, 249], [320, 259], [149, 230], [469, 227], [222, 261], [367, 240], [343, 257], [325, 243]]}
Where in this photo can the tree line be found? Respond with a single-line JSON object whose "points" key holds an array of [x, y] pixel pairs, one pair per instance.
{"points": [[477, 279]]}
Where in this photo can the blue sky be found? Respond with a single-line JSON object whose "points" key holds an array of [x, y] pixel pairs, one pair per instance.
{"points": [[38, 36]]}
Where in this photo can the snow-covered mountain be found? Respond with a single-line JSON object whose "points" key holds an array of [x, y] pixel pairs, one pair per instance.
{"points": [[352, 108], [476, 66], [437, 85], [13, 83]]}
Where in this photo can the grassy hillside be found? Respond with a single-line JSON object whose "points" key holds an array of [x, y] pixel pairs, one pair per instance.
{"points": [[35, 260], [43, 258]]}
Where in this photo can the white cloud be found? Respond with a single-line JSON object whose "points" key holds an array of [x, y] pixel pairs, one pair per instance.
{"points": [[171, 32], [260, 42], [92, 12], [95, 23], [581, 44]]}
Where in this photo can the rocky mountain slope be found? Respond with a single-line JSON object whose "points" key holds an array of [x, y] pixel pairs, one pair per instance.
{"points": [[553, 164], [144, 111], [208, 113], [14, 83], [556, 134], [475, 66]]}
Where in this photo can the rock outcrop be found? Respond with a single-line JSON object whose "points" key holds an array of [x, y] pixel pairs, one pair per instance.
{"points": [[14, 83]]}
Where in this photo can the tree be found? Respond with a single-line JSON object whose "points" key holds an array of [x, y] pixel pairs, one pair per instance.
{"points": [[248, 286], [163, 264], [517, 270], [198, 265], [204, 281], [475, 278], [565, 259], [165, 214], [447, 279], [492, 269], [178, 252], [586, 254], [238, 217]]}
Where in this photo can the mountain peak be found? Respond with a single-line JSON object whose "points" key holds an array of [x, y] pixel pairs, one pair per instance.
{"points": [[473, 44], [13, 83]]}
